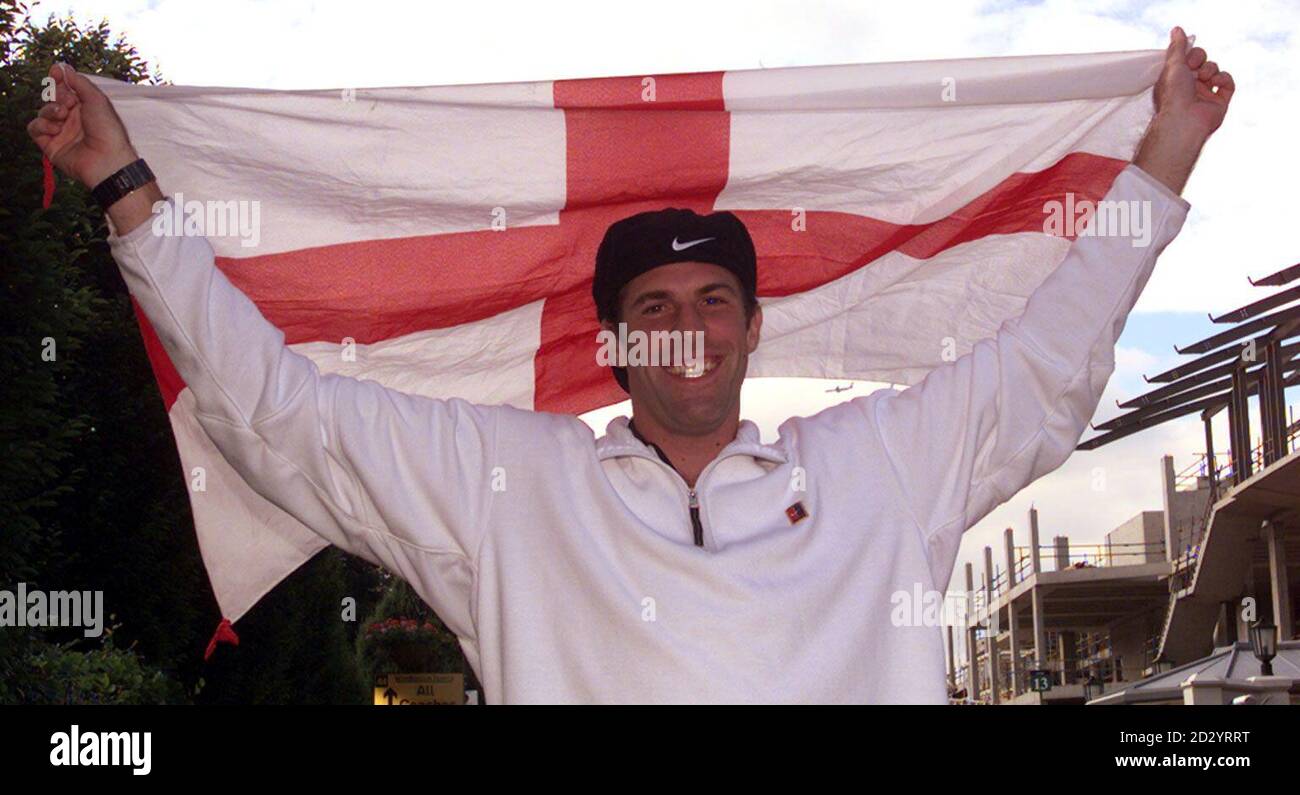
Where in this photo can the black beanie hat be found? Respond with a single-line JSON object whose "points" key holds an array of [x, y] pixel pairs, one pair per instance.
{"points": [[645, 241]]}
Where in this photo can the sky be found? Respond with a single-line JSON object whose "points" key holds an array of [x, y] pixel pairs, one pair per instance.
{"points": [[1240, 222]]}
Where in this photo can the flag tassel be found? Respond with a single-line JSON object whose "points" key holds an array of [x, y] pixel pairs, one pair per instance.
{"points": [[47, 182], [225, 634]]}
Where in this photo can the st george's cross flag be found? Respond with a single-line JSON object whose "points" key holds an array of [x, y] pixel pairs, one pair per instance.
{"points": [[441, 240]]}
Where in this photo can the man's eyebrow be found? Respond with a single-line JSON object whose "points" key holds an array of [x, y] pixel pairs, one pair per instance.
{"points": [[655, 295], [708, 288], [652, 295]]}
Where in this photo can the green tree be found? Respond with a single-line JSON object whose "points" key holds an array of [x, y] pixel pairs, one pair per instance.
{"points": [[92, 494]]}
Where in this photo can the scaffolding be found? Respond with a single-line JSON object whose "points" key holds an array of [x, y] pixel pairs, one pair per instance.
{"points": [[1161, 591]]}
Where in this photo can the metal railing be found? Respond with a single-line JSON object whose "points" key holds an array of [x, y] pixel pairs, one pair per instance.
{"points": [[1079, 556], [1184, 565], [1223, 472], [1199, 469], [1102, 555]]}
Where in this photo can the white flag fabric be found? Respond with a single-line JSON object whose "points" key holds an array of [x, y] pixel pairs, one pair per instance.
{"points": [[441, 240]]}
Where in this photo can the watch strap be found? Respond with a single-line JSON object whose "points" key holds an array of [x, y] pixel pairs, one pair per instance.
{"points": [[126, 179]]}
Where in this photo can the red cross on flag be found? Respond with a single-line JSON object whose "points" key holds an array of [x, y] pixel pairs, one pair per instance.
{"points": [[441, 240]]}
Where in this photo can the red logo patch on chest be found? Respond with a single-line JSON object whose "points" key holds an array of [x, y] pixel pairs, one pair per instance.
{"points": [[796, 513]]}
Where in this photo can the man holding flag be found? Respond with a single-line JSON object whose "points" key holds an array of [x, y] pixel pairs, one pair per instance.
{"points": [[676, 558]]}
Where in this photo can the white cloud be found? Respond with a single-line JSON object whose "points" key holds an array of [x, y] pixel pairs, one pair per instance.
{"points": [[1133, 362]]}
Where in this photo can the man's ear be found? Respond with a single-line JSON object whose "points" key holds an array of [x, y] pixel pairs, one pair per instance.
{"points": [[755, 326]]}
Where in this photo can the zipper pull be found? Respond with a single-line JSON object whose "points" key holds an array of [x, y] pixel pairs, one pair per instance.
{"points": [[695, 519]]}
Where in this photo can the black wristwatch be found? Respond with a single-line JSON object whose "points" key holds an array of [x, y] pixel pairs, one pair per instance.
{"points": [[126, 179]]}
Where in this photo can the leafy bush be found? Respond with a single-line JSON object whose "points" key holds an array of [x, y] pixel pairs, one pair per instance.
{"points": [[403, 635], [57, 673]]}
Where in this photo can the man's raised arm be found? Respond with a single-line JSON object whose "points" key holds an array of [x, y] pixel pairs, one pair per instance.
{"points": [[976, 431], [398, 479]]}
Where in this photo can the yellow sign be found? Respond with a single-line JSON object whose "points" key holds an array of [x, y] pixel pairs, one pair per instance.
{"points": [[439, 689]]}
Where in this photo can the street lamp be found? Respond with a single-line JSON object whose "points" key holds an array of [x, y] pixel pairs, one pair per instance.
{"points": [[1263, 641]]}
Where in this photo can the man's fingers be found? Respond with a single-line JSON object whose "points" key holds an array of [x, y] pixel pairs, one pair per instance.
{"points": [[1224, 82], [1195, 58], [53, 111], [68, 80], [1177, 49], [41, 127], [1208, 69], [64, 93], [87, 91], [65, 96]]}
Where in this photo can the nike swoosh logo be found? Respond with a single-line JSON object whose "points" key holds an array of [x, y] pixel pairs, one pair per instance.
{"points": [[683, 246]]}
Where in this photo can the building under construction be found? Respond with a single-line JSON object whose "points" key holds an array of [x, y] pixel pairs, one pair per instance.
{"points": [[1160, 611]]}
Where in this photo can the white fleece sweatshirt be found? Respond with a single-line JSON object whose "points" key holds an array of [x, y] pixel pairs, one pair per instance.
{"points": [[580, 581]]}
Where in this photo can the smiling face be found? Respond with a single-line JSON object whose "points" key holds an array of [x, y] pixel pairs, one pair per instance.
{"points": [[690, 296]]}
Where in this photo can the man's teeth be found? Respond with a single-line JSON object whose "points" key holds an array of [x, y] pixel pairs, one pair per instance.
{"points": [[694, 369]]}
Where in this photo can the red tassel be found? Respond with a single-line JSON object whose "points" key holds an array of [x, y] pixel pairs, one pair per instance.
{"points": [[48, 182], [224, 634]]}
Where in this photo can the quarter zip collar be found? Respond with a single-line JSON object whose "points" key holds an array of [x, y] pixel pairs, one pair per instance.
{"points": [[631, 426], [620, 440]]}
